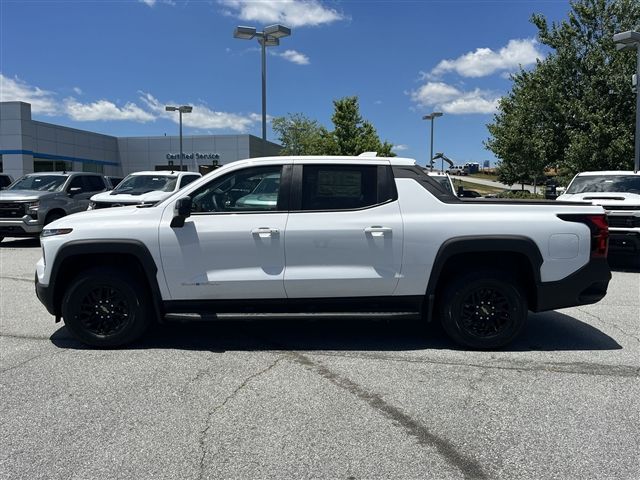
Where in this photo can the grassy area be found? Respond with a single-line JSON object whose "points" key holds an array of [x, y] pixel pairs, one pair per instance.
{"points": [[486, 176], [481, 189]]}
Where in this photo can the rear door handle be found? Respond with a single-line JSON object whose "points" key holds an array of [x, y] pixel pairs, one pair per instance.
{"points": [[265, 232], [378, 231]]}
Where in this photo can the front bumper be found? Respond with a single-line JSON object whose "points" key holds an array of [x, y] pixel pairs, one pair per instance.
{"points": [[624, 241], [45, 295], [20, 227], [587, 285]]}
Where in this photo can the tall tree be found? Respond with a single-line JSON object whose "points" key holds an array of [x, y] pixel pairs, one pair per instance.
{"points": [[575, 109], [299, 135], [352, 135]]}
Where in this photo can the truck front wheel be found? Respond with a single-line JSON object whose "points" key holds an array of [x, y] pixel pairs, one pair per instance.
{"points": [[105, 307], [483, 310]]}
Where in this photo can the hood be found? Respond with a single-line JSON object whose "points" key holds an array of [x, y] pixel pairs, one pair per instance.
{"points": [[603, 198], [109, 197], [24, 195], [106, 219]]}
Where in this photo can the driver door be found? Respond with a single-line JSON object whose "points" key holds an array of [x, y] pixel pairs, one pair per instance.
{"points": [[232, 245]]}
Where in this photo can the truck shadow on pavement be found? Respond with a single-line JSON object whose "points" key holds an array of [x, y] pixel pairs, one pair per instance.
{"points": [[20, 243], [624, 263], [549, 331]]}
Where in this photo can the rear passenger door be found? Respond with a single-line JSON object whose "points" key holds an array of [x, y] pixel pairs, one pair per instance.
{"points": [[344, 232]]}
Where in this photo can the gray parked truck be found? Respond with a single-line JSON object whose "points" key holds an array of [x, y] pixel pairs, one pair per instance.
{"points": [[37, 199]]}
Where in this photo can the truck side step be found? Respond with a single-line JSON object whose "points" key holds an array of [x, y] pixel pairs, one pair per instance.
{"points": [[212, 317]]}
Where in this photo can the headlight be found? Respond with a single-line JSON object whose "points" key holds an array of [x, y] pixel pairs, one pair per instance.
{"points": [[92, 206], [32, 207], [50, 232]]}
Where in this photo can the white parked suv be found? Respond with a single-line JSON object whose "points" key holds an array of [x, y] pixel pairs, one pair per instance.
{"points": [[458, 170], [328, 237], [143, 188], [619, 193]]}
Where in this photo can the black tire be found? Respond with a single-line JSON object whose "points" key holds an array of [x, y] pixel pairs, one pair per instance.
{"points": [[483, 310], [52, 217], [106, 307]]}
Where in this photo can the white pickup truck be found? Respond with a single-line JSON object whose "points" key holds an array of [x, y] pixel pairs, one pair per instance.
{"points": [[322, 237], [618, 192]]}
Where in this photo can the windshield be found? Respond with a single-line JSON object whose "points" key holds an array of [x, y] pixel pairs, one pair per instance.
{"points": [[139, 184], [43, 183], [605, 183], [268, 185]]}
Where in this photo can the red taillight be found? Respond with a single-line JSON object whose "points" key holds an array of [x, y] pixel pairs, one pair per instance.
{"points": [[599, 240], [599, 232]]}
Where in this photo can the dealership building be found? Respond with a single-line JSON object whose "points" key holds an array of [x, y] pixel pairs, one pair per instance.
{"points": [[28, 145]]}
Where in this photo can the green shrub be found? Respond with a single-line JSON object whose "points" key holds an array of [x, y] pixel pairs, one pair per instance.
{"points": [[519, 194]]}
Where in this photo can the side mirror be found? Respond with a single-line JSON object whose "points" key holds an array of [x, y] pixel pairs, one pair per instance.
{"points": [[181, 211], [74, 190], [460, 191]]}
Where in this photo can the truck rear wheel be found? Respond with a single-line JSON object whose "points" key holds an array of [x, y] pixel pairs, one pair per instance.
{"points": [[483, 310], [105, 307]]}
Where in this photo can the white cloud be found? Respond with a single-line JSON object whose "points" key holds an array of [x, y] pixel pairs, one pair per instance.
{"points": [[202, 117], [399, 148], [454, 101], [78, 90], [484, 61], [42, 101], [105, 110], [152, 3], [476, 101], [292, 13], [378, 102], [434, 93], [294, 56]]}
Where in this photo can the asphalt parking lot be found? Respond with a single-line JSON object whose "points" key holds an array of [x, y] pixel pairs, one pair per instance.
{"points": [[341, 399]]}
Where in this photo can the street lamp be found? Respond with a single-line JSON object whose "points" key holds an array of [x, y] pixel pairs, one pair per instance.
{"points": [[625, 41], [269, 37], [432, 116], [182, 109]]}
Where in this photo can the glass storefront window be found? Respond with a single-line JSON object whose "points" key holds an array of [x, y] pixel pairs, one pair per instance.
{"points": [[43, 165], [92, 167]]}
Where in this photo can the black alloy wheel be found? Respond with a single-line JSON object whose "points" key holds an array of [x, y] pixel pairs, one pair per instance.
{"points": [[104, 310], [106, 307], [483, 310]]}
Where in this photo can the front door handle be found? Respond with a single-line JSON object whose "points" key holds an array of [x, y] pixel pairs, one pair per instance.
{"points": [[378, 231], [265, 232]]}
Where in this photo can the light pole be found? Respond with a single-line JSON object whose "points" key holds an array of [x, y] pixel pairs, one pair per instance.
{"points": [[269, 37], [432, 116], [624, 41], [182, 109]]}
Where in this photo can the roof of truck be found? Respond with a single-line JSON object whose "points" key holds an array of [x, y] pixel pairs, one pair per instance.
{"points": [[609, 172], [362, 158]]}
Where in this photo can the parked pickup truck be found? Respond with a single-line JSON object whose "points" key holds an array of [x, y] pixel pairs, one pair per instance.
{"points": [[38, 199], [619, 193], [343, 236]]}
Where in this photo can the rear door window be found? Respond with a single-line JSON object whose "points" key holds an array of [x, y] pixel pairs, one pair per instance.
{"points": [[345, 187]]}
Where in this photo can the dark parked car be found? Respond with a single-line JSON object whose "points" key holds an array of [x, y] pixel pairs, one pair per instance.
{"points": [[5, 180], [113, 181], [470, 194]]}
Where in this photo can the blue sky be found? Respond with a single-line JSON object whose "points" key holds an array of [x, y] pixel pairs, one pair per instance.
{"points": [[111, 66]]}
